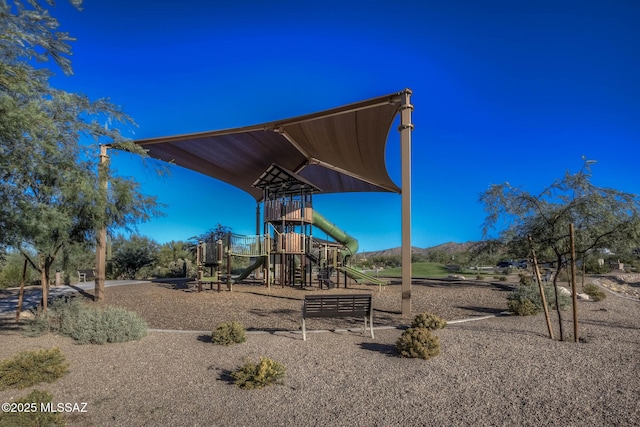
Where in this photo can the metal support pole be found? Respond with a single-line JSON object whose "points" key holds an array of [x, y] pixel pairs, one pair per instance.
{"points": [[405, 129], [101, 238]]}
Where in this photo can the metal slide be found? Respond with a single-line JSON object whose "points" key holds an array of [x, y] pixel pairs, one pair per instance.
{"points": [[351, 245], [337, 234], [249, 269], [360, 276]]}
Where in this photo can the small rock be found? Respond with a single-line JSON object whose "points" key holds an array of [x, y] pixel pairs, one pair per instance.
{"points": [[564, 290], [27, 315], [584, 297], [456, 277]]}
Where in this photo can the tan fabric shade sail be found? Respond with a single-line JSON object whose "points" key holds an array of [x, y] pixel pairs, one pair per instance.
{"points": [[338, 150]]}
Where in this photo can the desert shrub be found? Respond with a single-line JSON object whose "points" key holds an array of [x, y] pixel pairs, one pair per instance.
{"points": [[594, 292], [523, 307], [88, 324], [418, 342], [228, 333], [525, 279], [33, 419], [257, 375], [428, 321], [96, 326], [479, 277], [28, 368], [502, 278], [521, 300]]}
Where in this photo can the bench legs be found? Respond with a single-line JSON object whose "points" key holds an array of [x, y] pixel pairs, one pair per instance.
{"points": [[370, 324], [304, 328]]}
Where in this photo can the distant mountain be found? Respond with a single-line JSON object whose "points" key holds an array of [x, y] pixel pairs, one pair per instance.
{"points": [[448, 248]]}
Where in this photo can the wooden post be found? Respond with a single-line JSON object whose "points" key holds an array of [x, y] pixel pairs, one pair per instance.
{"points": [[406, 127], [101, 237], [574, 287], [21, 293], [543, 298]]}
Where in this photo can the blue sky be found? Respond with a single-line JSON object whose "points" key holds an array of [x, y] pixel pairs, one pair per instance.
{"points": [[510, 91]]}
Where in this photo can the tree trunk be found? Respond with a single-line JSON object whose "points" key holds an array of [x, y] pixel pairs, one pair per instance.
{"points": [[555, 289], [44, 281], [21, 294]]}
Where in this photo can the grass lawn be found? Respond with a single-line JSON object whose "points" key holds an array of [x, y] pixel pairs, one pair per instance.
{"points": [[418, 269]]}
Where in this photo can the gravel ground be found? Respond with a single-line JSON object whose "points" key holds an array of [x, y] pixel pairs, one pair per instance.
{"points": [[495, 371]]}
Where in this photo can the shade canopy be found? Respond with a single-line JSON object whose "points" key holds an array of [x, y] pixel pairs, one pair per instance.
{"points": [[338, 150]]}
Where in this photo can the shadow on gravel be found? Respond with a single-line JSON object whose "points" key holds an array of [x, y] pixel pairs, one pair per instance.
{"points": [[205, 338], [224, 375], [615, 325], [275, 296], [498, 331], [269, 330], [386, 349], [483, 310], [9, 324]]}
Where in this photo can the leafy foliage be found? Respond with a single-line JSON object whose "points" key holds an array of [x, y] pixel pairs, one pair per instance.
{"points": [[176, 259], [228, 333], [428, 321], [258, 375], [29, 368], [131, 255], [418, 343], [49, 176], [33, 419], [525, 300], [213, 234], [88, 324], [603, 218]]}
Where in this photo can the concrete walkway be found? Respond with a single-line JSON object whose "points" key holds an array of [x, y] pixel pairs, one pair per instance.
{"points": [[33, 294]]}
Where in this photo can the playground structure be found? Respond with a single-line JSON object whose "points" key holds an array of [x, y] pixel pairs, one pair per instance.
{"points": [[286, 253]]}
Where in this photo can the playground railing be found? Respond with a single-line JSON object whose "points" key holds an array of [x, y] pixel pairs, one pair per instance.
{"points": [[249, 246]]}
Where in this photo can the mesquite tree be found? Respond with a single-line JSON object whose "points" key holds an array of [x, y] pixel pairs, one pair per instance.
{"points": [[604, 218]]}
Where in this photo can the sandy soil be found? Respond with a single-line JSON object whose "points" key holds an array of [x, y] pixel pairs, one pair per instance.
{"points": [[494, 371]]}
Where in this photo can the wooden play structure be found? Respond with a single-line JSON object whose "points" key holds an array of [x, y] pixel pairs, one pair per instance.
{"points": [[286, 252]]}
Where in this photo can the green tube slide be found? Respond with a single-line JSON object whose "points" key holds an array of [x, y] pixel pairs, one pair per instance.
{"points": [[249, 269], [336, 233]]}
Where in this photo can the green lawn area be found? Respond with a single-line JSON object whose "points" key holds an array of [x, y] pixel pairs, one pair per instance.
{"points": [[418, 269]]}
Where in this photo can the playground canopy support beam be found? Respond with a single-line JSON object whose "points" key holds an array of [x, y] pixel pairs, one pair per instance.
{"points": [[101, 241], [406, 127]]}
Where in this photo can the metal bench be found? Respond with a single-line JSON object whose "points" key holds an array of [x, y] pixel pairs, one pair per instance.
{"points": [[348, 305], [83, 275]]}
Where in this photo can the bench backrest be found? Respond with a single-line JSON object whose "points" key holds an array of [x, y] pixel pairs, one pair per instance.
{"points": [[348, 305], [87, 272]]}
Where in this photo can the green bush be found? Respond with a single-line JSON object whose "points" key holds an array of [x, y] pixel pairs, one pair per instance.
{"points": [[88, 324], [418, 342], [523, 307], [525, 279], [228, 333], [28, 368], [428, 321], [502, 278], [95, 326], [264, 373], [33, 419], [594, 292], [525, 300]]}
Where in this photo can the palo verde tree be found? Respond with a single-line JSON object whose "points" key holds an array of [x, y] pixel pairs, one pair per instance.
{"points": [[604, 218], [49, 192]]}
